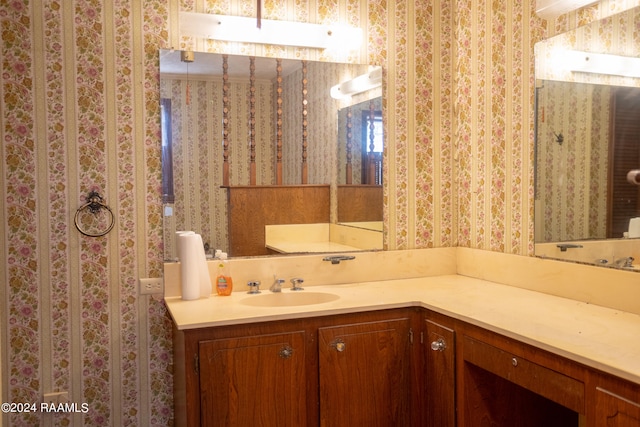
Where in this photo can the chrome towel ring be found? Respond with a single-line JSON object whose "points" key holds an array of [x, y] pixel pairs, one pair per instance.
{"points": [[92, 215]]}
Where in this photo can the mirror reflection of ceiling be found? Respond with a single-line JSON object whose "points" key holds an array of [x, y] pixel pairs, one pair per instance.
{"points": [[207, 65], [578, 138], [195, 91]]}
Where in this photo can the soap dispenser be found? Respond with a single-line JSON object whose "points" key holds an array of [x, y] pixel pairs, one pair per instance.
{"points": [[224, 283]]}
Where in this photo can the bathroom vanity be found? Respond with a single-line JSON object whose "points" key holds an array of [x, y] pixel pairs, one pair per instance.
{"points": [[445, 350], [336, 370]]}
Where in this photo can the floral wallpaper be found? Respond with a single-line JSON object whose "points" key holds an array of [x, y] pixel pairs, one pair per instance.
{"points": [[81, 105], [80, 99]]}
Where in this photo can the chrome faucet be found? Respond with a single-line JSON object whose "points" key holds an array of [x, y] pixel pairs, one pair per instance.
{"points": [[277, 285], [335, 259], [625, 262], [295, 284], [254, 287]]}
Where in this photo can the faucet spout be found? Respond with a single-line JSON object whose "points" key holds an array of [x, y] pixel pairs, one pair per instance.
{"points": [[277, 285], [335, 259], [625, 262], [564, 246]]}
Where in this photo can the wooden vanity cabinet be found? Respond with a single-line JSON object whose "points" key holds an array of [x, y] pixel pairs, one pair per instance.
{"points": [[344, 370], [253, 380], [504, 384], [395, 367], [242, 375], [365, 374], [616, 403], [439, 371]]}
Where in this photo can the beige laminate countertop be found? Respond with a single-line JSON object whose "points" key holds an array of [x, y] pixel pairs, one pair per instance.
{"points": [[288, 247], [596, 336]]}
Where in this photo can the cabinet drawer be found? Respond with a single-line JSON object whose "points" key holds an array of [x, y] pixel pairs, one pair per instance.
{"points": [[543, 381]]}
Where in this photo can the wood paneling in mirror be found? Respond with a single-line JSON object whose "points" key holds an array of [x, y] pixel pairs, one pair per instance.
{"points": [[253, 207], [358, 203]]}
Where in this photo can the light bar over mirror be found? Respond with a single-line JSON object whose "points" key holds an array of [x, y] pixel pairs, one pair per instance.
{"points": [[286, 33], [602, 63], [362, 83]]}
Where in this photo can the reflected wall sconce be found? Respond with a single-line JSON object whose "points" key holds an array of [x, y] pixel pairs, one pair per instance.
{"points": [[284, 33], [601, 63], [362, 83]]}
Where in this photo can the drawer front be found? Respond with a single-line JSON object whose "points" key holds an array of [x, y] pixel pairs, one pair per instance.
{"points": [[548, 383]]}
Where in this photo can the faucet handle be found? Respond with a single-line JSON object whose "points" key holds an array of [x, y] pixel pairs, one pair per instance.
{"points": [[296, 282], [254, 287]]}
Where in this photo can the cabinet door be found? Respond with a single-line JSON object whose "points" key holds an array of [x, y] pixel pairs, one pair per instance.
{"points": [[440, 376], [365, 374], [613, 410], [253, 381]]}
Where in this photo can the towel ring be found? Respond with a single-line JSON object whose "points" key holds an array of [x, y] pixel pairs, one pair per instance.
{"points": [[94, 206]]}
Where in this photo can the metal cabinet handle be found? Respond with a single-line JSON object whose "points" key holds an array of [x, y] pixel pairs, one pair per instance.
{"points": [[438, 345], [286, 352]]}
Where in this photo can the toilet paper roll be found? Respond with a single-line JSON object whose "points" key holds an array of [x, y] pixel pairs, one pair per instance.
{"points": [[634, 228], [633, 177]]}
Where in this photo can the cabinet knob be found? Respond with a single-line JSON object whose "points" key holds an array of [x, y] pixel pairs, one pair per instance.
{"points": [[286, 352], [514, 361], [438, 345], [339, 345]]}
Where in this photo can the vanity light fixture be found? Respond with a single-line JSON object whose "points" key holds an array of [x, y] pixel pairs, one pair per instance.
{"points": [[286, 33], [362, 83], [601, 63]]}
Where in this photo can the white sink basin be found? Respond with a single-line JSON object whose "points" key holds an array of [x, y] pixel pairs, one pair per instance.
{"points": [[287, 299]]}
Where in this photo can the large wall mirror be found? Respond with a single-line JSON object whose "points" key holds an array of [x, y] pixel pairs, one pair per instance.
{"points": [[272, 130], [587, 143]]}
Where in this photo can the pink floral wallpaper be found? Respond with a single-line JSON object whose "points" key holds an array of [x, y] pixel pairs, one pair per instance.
{"points": [[80, 107], [80, 101]]}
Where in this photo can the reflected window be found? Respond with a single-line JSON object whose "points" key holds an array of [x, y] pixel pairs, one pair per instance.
{"points": [[168, 195], [372, 144]]}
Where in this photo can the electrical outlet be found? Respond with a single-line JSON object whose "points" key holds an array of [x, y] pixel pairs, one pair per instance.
{"points": [[151, 286]]}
